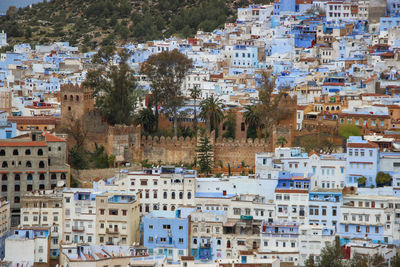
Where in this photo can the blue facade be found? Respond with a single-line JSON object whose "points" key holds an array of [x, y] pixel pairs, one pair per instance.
{"points": [[166, 231], [245, 56], [287, 180], [387, 23], [362, 160], [324, 208]]}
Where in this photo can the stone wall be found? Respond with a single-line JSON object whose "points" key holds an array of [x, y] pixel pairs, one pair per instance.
{"points": [[183, 150]]}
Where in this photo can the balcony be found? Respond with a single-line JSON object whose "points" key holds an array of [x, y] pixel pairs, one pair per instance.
{"points": [[76, 228], [112, 231], [205, 245]]}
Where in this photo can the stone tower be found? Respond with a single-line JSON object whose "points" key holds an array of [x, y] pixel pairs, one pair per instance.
{"points": [[75, 101]]}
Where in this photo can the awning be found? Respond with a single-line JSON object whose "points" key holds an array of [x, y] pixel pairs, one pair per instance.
{"points": [[229, 224]]}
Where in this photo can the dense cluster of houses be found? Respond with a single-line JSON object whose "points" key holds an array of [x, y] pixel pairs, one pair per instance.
{"points": [[338, 59]]}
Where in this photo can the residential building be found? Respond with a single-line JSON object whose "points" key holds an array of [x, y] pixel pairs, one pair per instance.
{"points": [[36, 161], [74, 255], [167, 233], [324, 207], [117, 218], [44, 209], [28, 247], [5, 224], [79, 216]]}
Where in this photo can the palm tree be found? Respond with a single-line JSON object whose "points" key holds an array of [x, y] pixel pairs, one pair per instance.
{"points": [[195, 94], [146, 118], [281, 141], [211, 112], [253, 119]]}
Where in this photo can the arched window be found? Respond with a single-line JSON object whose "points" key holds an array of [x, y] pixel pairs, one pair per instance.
{"points": [[41, 186], [28, 164], [41, 176], [2, 152], [77, 98], [5, 164], [71, 98], [219, 242], [195, 241], [172, 208], [65, 97], [27, 152], [29, 177], [63, 176], [180, 195], [4, 177], [173, 195], [53, 176], [165, 195], [15, 152], [228, 244], [17, 177], [189, 195], [40, 152], [41, 164], [16, 199], [165, 207], [337, 108]]}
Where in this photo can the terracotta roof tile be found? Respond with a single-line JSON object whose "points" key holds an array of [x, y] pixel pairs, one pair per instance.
{"points": [[363, 145]]}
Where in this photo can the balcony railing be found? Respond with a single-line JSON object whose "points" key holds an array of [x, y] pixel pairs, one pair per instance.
{"points": [[78, 228], [112, 231]]}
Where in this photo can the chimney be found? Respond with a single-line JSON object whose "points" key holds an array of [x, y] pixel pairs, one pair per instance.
{"points": [[224, 193]]}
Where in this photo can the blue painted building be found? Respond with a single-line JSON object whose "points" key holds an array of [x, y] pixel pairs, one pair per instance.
{"points": [[285, 6], [244, 56], [324, 208], [387, 23], [167, 233], [8, 129], [362, 161]]}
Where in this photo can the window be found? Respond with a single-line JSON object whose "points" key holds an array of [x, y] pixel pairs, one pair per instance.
{"points": [[165, 195], [41, 164], [189, 195], [113, 212], [143, 182], [29, 187], [40, 152], [124, 212], [41, 176], [15, 152], [16, 199], [27, 152], [101, 211], [167, 226], [63, 176], [173, 195], [28, 164], [41, 187]]}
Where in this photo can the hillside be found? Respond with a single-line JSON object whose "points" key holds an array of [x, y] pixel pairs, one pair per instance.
{"points": [[90, 23]]}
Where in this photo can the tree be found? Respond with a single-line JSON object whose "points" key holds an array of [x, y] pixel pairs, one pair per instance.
{"points": [[331, 256], [115, 87], [253, 120], [204, 155], [395, 262], [281, 141], [310, 262], [146, 118], [77, 129], [211, 112], [349, 130], [268, 106], [362, 181], [383, 179], [195, 94], [166, 72], [230, 125]]}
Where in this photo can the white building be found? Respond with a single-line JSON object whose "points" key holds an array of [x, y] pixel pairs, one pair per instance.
{"points": [[28, 246]]}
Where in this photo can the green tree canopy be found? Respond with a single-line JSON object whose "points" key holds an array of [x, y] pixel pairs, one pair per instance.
{"points": [[383, 179], [204, 155], [211, 112], [166, 72], [115, 88]]}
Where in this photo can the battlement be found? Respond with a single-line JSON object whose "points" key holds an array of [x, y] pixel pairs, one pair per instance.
{"points": [[74, 88]]}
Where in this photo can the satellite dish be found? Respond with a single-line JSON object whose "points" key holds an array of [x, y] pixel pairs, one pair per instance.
{"points": [[60, 184]]}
